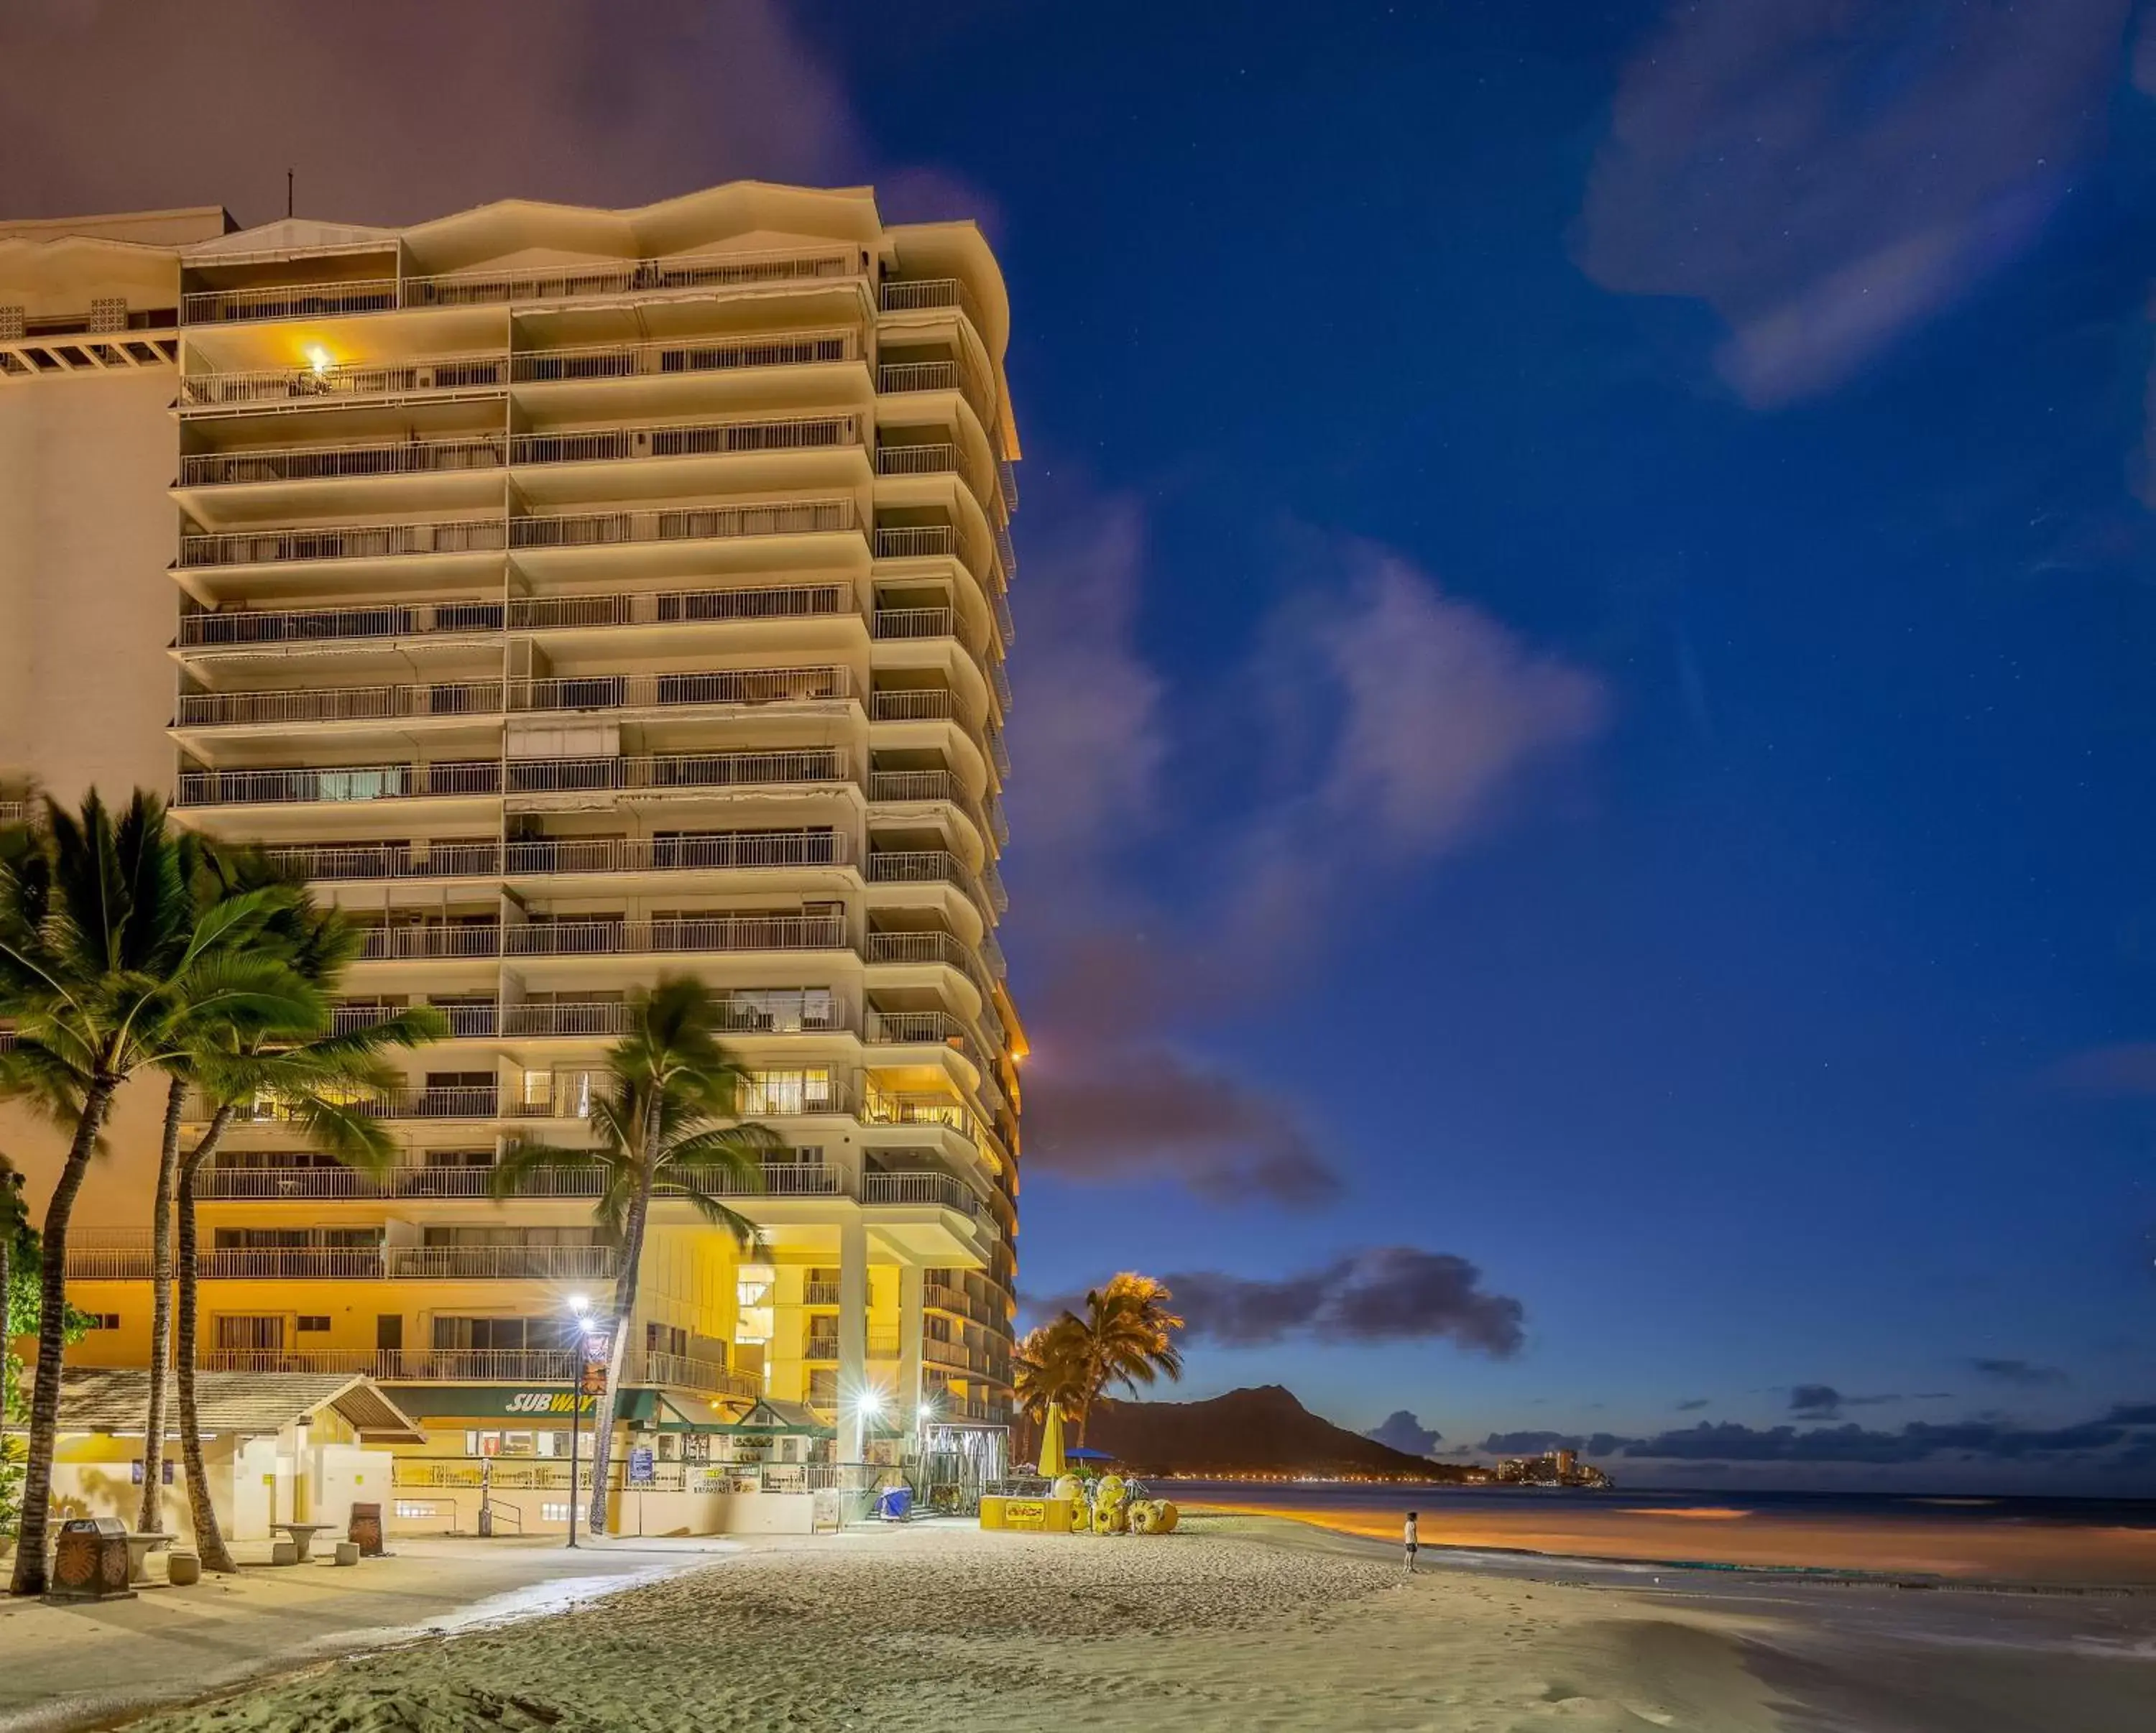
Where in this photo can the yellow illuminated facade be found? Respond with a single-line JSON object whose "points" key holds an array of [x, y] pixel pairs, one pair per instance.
{"points": [[577, 597]]}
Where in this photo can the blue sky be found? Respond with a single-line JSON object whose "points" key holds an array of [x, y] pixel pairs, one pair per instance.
{"points": [[1584, 862]]}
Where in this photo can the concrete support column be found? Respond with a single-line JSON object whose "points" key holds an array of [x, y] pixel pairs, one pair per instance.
{"points": [[852, 1334], [909, 1353]]}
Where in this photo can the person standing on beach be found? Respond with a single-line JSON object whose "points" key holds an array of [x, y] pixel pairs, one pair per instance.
{"points": [[1409, 1540]]}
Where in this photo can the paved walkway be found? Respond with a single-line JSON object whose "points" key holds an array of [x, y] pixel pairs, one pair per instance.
{"points": [[91, 1664]]}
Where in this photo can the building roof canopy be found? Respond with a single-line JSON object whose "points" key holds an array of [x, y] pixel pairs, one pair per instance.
{"points": [[244, 1404]]}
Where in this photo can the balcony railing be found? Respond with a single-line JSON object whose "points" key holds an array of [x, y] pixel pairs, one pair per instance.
{"points": [[330, 1184], [14, 811], [634, 361], [927, 295], [700, 523], [345, 783], [904, 623], [895, 378], [517, 1365], [926, 866], [344, 463], [472, 1101], [724, 438], [344, 1263], [232, 628], [918, 1028], [679, 772], [929, 947], [717, 688], [483, 289], [669, 607], [340, 703], [941, 1189], [711, 933], [722, 851], [330, 862], [345, 542], [447, 375], [465, 1020], [919, 703], [689, 1372], [819, 1294]]}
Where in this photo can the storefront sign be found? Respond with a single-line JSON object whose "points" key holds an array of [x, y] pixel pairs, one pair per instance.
{"points": [[641, 1464], [484, 1401]]}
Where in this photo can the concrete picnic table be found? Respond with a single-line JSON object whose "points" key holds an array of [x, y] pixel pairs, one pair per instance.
{"points": [[303, 1536], [138, 1549]]}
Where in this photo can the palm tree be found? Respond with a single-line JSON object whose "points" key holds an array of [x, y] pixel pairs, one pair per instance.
{"points": [[320, 1082], [14, 1231], [100, 946], [1129, 1338], [1048, 1369], [667, 1127]]}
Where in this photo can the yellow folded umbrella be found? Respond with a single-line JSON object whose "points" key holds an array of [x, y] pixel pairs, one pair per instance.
{"points": [[1051, 1442]]}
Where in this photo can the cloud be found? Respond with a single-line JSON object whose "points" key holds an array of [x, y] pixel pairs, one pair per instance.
{"points": [[1823, 1401], [1147, 1114], [2127, 1068], [1531, 1443], [1385, 1293], [1402, 1430], [2023, 1372], [402, 109], [1918, 1441], [1826, 176], [1692, 1402]]}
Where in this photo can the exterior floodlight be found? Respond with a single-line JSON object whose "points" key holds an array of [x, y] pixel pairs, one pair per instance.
{"points": [[927, 1412], [579, 1304], [869, 1403], [320, 359]]}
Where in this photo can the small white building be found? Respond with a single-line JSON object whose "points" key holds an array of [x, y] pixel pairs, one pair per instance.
{"points": [[278, 1447]]}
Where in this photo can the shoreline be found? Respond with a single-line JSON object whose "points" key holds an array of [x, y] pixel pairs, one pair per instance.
{"points": [[1787, 1574]]}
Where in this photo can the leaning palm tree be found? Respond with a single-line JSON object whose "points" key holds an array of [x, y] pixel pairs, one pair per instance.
{"points": [[14, 1231], [1129, 1338], [667, 1127], [1049, 1370], [100, 946], [323, 1082]]}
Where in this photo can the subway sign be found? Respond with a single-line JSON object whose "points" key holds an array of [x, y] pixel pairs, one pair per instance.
{"points": [[487, 1402]]}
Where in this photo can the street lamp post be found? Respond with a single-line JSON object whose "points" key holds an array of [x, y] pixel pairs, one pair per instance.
{"points": [[580, 1310]]}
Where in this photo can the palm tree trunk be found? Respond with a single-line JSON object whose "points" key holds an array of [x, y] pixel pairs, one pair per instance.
{"points": [[151, 1520], [29, 1578], [202, 1514], [624, 1310]]}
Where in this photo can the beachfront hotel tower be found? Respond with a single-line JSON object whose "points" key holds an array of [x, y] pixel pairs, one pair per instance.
{"points": [[577, 597]]}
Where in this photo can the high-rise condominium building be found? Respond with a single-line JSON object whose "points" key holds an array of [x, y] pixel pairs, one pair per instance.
{"points": [[578, 598]]}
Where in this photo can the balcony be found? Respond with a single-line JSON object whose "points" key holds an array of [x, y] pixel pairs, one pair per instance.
{"points": [[672, 608], [449, 376], [434, 940], [346, 541], [900, 378], [493, 288], [343, 784], [916, 948], [688, 1372], [610, 1017], [905, 624], [921, 704], [929, 294], [333, 863], [99, 1261], [819, 1294], [823, 1345], [345, 463], [469, 1102], [446, 701], [717, 688], [679, 773], [245, 629], [722, 851], [676, 439], [926, 866], [920, 1028], [466, 1021], [718, 933], [639, 361], [700, 523]]}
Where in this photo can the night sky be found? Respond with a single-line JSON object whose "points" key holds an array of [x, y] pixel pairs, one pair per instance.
{"points": [[1583, 860]]}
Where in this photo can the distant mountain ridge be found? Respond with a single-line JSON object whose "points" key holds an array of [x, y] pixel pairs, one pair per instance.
{"points": [[1262, 1430]]}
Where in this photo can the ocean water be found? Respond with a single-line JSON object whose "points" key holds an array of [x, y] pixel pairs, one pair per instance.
{"points": [[2037, 1540]]}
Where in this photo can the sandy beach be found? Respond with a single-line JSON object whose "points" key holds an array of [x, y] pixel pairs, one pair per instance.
{"points": [[1235, 1622]]}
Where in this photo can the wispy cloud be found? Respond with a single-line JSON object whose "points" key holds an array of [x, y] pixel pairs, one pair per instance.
{"points": [[2026, 1374], [1827, 175], [1385, 1293], [1401, 1430], [1823, 1401]]}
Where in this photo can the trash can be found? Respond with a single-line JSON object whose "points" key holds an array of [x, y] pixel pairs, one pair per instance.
{"points": [[90, 1560], [894, 1504], [365, 1529]]}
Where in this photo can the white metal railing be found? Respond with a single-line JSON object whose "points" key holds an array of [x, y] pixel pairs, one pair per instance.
{"points": [[816, 1014], [897, 378], [724, 438], [917, 622], [710, 933], [700, 523], [602, 1018], [998, 753], [332, 862], [678, 770], [14, 811], [465, 1019], [914, 785], [237, 628], [634, 361], [799, 1179], [344, 784], [340, 703], [916, 542], [715, 851], [434, 939], [371, 1262], [736, 686], [478, 288], [937, 1188], [937, 459], [274, 388], [926, 866], [933, 946], [920, 1028], [927, 295], [667, 607], [919, 703], [689, 1371], [343, 463], [346, 541], [328, 1183], [471, 1101]]}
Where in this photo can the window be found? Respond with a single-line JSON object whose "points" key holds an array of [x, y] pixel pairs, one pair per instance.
{"points": [[314, 1323], [554, 1513], [103, 1321], [804, 1091]]}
